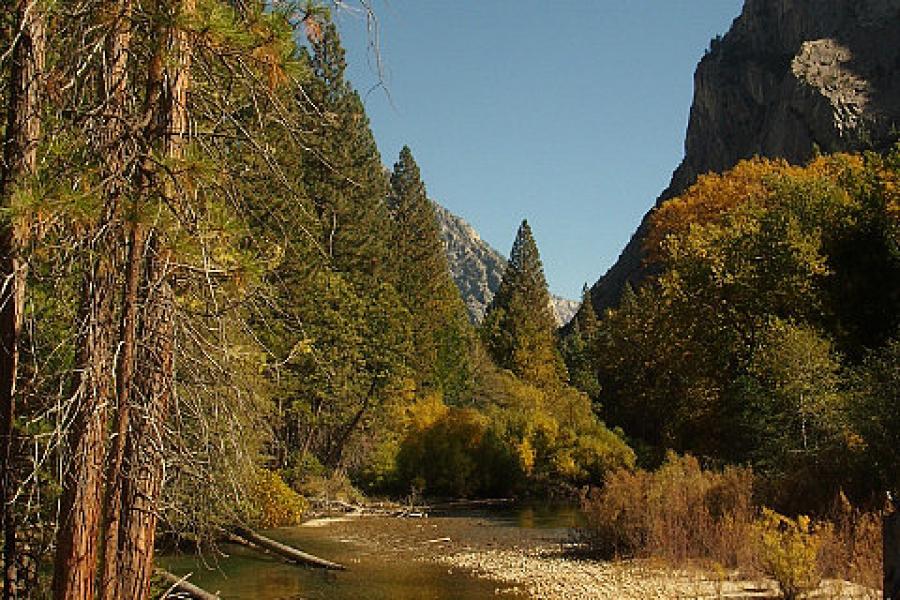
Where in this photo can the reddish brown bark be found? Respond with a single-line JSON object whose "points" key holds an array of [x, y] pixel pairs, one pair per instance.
{"points": [[153, 385], [124, 377], [20, 141], [80, 504], [144, 456], [115, 82]]}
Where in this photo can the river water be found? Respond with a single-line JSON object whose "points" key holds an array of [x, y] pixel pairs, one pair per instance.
{"points": [[380, 553]]}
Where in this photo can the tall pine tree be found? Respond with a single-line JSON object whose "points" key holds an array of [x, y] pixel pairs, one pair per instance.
{"points": [[441, 331], [341, 304], [343, 174], [519, 329]]}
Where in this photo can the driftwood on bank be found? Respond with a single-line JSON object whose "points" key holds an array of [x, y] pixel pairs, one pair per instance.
{"points": [[183, 585], [285, 551]]}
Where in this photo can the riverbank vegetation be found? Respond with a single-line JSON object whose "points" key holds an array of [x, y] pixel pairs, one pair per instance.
{"points": [[686, 515], [217, 300], [766, 338]]}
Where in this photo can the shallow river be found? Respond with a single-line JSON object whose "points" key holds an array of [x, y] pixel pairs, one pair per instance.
{"points": [[373, 573]]}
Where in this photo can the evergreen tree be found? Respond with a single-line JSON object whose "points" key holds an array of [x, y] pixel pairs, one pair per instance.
{"points": [[519, 328], [441, 331], [343, 174], [577, 347], [585, 319], [341, 325]]}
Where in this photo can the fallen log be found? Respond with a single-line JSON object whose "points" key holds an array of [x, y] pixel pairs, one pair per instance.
{"points": [[183, 585], [285, 551]]}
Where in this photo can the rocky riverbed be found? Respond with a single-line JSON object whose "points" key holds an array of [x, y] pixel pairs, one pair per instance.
{"points": [[534, 562], [548, 574]]}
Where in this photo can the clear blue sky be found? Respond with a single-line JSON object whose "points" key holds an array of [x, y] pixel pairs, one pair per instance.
{"points": [[570, 114]]}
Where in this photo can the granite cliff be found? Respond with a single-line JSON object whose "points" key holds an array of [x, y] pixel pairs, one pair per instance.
{"points": [[789, 77], [477, 268]]}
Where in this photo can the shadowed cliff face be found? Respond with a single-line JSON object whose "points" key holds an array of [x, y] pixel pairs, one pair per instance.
{"points": [[790, 76]]}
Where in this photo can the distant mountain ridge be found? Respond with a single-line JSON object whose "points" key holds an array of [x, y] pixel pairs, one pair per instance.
{"points": [[477, 268]]}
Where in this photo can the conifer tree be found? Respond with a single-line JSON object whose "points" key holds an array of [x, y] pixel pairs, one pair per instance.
{"points": [[577, 347], [422, 277], [519, 328], [585, 319], [341, 304], [343, 174]]}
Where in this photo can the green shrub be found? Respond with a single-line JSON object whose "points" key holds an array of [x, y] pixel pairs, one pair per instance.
{"points": [[553, 431], [457, 455], [333, 487], [302, 466], [272, 503], [789, 551], [516, 436]]}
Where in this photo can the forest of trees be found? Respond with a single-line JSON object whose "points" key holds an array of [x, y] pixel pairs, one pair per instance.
{"points": [[768, 336], [217, 300]]}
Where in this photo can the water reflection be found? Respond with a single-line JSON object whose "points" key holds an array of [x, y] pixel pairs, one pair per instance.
{"points": [[523, 516], [245, 575], [372, 575]]}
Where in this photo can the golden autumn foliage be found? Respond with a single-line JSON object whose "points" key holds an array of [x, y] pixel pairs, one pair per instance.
{"points": [[516, 436], [272, 503], [789, 549], [772, 284], [714, 196]]}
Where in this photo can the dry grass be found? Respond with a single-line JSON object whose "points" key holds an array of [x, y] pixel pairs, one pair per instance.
{"points": [[852, 545], [683, 515], [678, 513]]}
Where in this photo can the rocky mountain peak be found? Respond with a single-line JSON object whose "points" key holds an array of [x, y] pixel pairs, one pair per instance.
{"points": [[477, 268]]}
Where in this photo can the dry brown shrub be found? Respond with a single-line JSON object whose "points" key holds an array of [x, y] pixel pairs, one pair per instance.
{"points": [[852, 547], [679, 513], [683, 514], [614, 521]]}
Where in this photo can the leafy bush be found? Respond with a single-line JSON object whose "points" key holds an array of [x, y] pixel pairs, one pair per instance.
{"points": [[272, 503], [553, 430], [512, 437], [301, 467], [789, 551], [456, 454]]}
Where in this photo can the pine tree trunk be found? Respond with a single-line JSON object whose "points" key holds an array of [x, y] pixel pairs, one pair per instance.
{"points": [[124, 376], [83, 509], [20, 141], [153, 385], [115, 83], [144, 457], [81, 502]]}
